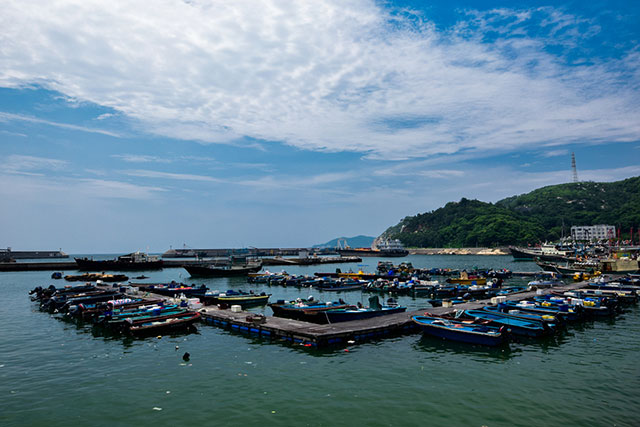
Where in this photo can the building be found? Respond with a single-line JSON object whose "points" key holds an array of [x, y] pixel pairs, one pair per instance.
{"points": [[593, 232]]}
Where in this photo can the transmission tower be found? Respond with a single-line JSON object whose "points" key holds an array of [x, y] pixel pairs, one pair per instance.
{"points": [[573, 167]]}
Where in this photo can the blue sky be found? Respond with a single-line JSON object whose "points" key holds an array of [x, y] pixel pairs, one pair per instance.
{"points": [[278, 123]]}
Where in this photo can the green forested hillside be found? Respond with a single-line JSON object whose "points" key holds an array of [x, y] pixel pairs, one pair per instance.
{"points": [[543, 214]]}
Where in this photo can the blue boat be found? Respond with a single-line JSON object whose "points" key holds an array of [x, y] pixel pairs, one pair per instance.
{"points": [[354, 313], [552, 320], [455, 330], [530, 328], [173, 289], [591, 306], [563, 311]]}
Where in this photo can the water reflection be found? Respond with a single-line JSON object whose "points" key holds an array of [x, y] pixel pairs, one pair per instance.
{"points": [[436, 348]]}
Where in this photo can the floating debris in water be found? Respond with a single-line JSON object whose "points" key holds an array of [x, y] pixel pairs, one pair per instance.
{"points": [[155, 408], [186, 356]]}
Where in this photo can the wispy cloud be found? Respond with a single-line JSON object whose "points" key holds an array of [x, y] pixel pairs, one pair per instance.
{"points": [[140, 158], [6, 132], [16, 163], [326, 75], [7, 117], [555, 153], [169, 175], [40, 189]]}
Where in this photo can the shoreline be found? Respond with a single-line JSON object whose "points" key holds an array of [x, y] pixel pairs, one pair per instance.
{"points": [[459, 251]]}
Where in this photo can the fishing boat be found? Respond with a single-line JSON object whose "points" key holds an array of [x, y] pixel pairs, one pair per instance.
{"points": [[299, 309], [230, 269], [338, 285], [530, 328], [386, 248], [94, 277], [231, 297], [552, 320], [591, 306], [336, 315], [133, 261], [455, 330], [563, 311], [118, 320], [546, 252], [173, 289], [350, 275], [466, 279], [162, 324], [627, 297], [544, 283]]}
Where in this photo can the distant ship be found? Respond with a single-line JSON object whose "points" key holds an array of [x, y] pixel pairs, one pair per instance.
{"points": [[546, 252], [235, 266], [9, 254], [132, 261], [386, 248]]}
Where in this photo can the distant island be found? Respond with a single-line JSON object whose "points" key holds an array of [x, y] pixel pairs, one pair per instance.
{"points": [[354, 242], [545, 214]]}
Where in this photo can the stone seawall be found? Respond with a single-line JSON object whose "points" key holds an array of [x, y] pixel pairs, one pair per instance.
{"points": [[459, 251]]}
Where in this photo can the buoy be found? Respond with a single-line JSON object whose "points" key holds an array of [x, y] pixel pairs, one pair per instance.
{"points": [[177, 347], [159, 336]]}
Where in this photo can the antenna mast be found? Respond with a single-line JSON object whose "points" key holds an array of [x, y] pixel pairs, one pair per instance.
{"points": [[573, 167]]}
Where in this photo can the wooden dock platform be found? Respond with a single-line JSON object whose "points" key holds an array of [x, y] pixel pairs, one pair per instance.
{"points": [[311, 334]]}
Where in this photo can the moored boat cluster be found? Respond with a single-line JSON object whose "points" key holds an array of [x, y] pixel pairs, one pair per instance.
{"points": [[112, 309], [541, 315]]}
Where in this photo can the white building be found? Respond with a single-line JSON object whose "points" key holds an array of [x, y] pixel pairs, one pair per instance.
{"points": [[593, 232]]}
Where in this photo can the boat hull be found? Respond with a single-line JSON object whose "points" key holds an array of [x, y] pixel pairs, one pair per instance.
{"points": [[204, 271], [335, 316], [241, 300], [490, 336], [388, 253]]}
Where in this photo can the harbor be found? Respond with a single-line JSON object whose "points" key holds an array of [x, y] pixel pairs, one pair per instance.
{"points": [[293, 331], [234, 355]]}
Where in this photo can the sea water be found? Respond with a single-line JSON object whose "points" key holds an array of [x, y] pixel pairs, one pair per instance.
{"points": [[54, 372]]}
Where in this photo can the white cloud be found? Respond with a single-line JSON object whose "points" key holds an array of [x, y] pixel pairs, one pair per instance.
{"points": [[325, 75], [105, 116], [46, 190], [140, 158], [6, 117], [16, 163], [168, 175], [555, 153]]}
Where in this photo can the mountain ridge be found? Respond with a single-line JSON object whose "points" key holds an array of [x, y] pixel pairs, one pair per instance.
{"points": [[546, 213]]}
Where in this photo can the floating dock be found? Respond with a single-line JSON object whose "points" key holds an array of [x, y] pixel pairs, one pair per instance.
{"points": [[313, 335]]}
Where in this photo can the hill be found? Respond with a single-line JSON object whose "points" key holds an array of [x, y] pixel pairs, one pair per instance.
{"points": [[543, 214], [354, 242]]}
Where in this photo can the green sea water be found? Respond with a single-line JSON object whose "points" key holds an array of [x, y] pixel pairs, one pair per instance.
{"points": [[57, 373]]}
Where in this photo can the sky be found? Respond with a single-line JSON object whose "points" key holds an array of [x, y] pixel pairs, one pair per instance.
{"points": [[286, 124]]}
